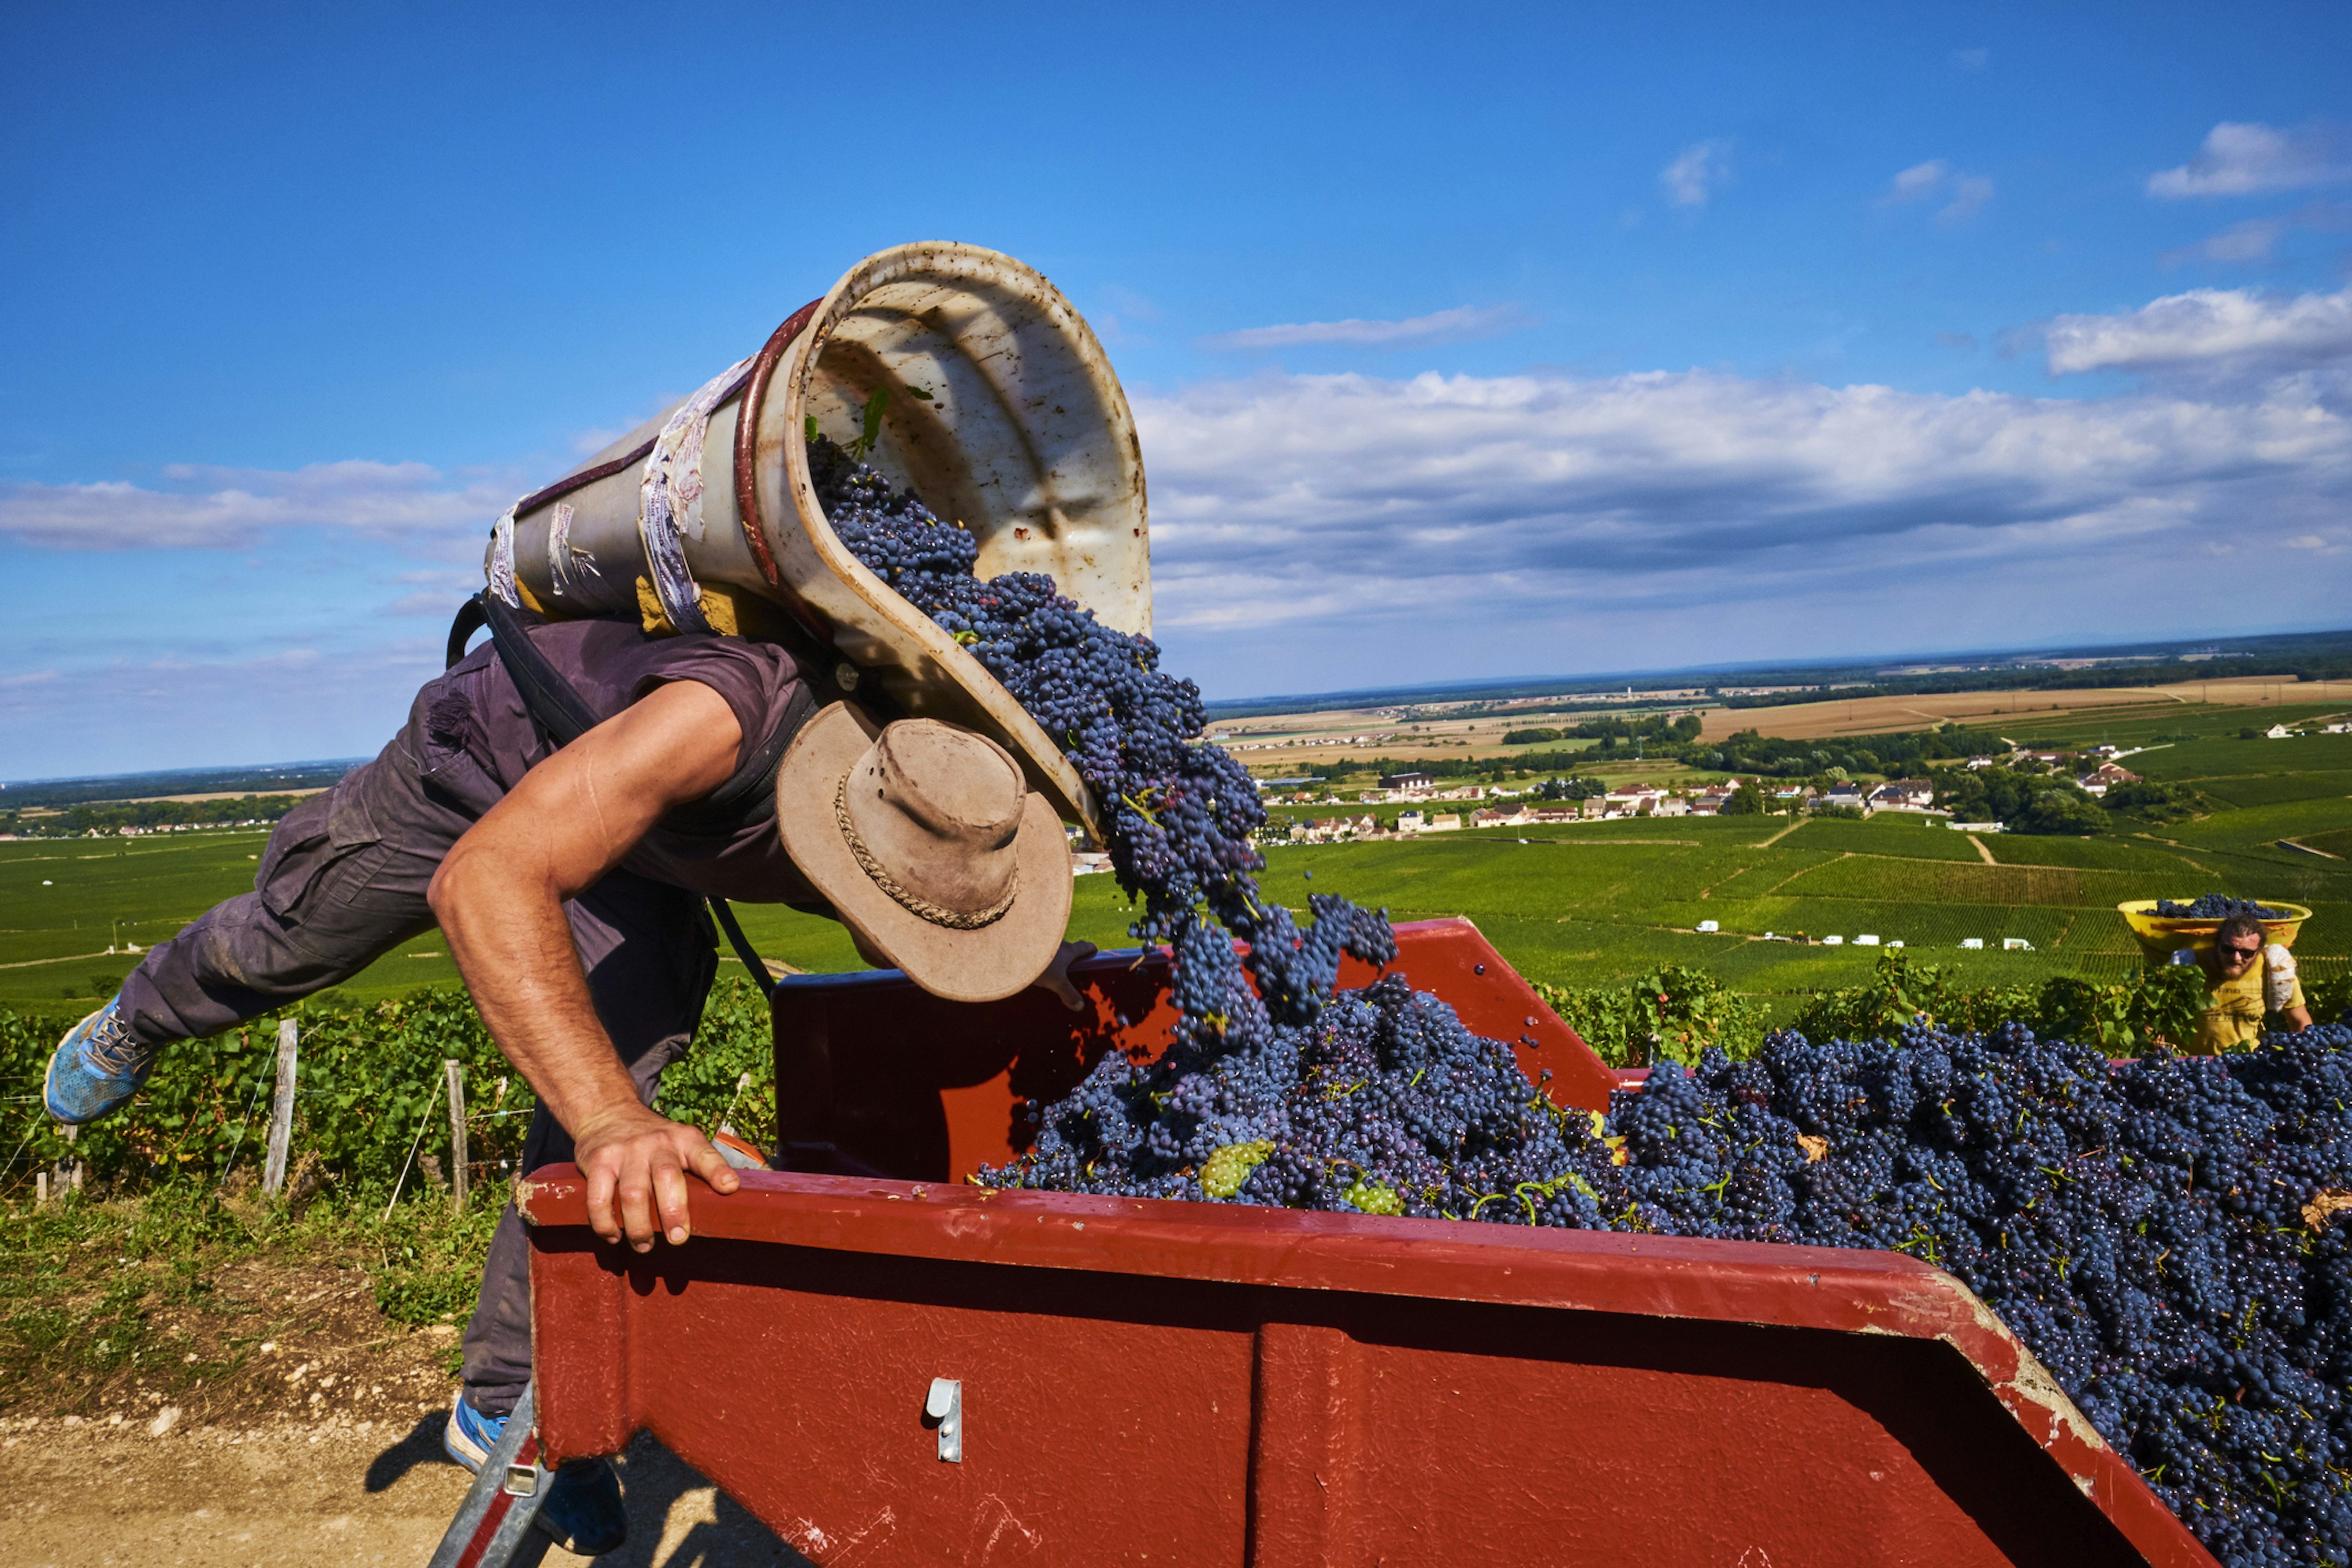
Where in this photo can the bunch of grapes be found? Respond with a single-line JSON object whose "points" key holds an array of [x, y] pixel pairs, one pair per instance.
{"points": [[2161, 1235], [2215, 907], [1178, 816]]}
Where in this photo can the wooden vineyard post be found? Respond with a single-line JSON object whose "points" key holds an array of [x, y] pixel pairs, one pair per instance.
{"points": [[66, 1176], [281, 1112], [457, 1072]]}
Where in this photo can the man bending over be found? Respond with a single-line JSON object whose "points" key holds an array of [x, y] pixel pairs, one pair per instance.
{"points": [[567, 860]]}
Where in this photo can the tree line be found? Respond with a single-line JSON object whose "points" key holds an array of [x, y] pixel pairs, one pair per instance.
{"points": [[109, 817]]}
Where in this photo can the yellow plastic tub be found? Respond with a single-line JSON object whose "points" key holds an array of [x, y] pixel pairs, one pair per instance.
{"points": [[2160, 935]]}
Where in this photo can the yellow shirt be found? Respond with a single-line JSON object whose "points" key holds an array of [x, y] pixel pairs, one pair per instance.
{"points": [[2232, 1019]]}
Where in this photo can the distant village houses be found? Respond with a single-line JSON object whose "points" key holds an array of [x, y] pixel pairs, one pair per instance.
{"points": [[2105, 778], [1332, 829], [1903, 795]]}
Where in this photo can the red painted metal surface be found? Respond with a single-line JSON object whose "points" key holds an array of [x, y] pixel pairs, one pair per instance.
{"points": [[1205, 1384], [1201, 1383], [910, 1086]]}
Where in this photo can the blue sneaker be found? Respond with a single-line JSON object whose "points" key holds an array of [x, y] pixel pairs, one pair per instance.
{"points": [[97, 1067], [582, 1511]]}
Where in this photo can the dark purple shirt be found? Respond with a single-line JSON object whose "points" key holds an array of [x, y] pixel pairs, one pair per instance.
{"points": [[478, 740]]}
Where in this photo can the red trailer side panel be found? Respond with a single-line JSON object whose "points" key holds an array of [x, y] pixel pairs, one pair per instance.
{"points": [[1204, 1384], [910, 1086]]}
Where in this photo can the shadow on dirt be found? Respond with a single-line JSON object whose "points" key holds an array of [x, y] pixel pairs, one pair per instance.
{"points": [[421, 1446], [659, 1487], [677, 1519]]}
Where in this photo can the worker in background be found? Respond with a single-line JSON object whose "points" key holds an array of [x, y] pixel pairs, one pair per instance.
{"points": [[569, 880], [2246, 977]]}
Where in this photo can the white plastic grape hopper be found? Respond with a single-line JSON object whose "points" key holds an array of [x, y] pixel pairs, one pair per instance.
{"points": [[1003, 413]]}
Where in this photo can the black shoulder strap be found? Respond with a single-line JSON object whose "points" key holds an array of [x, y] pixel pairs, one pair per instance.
{"points": [[469, 620], [555, 705], [564, 716], [743, 948]]}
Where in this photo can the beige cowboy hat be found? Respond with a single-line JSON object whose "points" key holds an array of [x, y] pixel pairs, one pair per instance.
{"points": [[931, 845]]}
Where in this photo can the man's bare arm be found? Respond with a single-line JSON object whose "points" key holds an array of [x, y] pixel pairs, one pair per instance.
{"points": [[499, 897]]}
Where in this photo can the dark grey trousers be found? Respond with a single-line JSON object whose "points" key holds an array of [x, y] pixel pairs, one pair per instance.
{"points": [[341, 883]]}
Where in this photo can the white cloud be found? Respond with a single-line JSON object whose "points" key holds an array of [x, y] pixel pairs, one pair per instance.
{"points": [[2246, 158], [2248, 241], [1971, 60], [1966, 194], [1969, 194], [1117, 318], [1127, 302], [1462, 323], [217, 509], [290, 703], [1317, 531], [2256, 237], [1698, 172], [1918, 180], [1650, 519], [2227, 330], [588, 443]]}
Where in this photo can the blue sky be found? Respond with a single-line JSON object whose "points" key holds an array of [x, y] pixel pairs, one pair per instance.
{"points": [[1462, 343]]}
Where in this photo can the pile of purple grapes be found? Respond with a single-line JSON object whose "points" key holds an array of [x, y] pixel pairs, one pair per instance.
{"points": [[2162, 1234], [2216, 907]]}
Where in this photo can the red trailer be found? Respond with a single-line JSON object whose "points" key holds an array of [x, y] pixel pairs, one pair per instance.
{"points": [[919, 1370]]}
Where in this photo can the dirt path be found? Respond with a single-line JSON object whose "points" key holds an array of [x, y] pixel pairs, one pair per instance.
{"points": [[84, 1495], [1981, 850]]}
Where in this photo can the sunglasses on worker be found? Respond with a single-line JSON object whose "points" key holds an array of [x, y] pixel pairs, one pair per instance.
{"points": [[2234, 954]]}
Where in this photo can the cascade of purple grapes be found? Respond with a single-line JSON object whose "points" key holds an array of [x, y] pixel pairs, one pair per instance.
{"points": [[2161, 1234]]}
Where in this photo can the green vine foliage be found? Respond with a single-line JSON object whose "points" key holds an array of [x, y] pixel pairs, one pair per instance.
{"points": [[2152, 1011], [1672, 1014], [2329, 999], [369, 1088], [1677, 1012]]}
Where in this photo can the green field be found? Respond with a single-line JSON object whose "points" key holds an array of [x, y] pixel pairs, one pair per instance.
{"points": [[63, 901], [1576, 904]]}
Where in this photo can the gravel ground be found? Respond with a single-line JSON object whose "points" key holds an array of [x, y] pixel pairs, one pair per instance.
{"points": [[84, 1494]]}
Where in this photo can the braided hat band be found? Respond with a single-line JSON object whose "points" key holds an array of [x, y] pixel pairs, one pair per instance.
{"points": [[915, 904]]}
